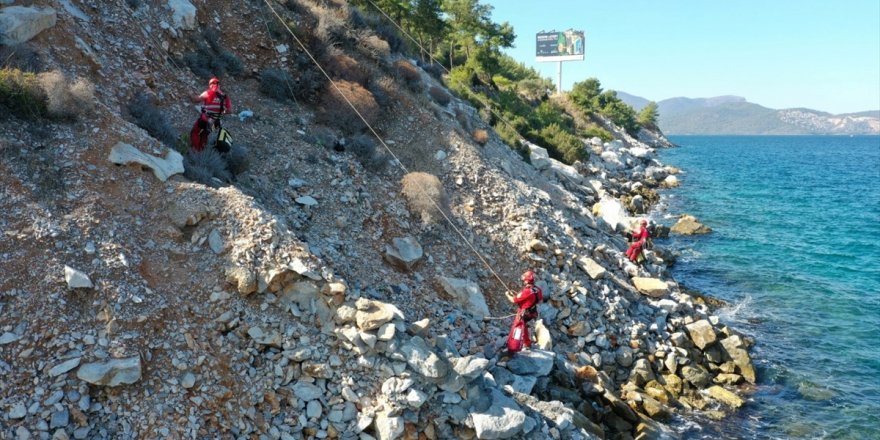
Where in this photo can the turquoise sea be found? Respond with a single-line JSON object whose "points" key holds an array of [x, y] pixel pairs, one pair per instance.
{"points": [[796, 253]]}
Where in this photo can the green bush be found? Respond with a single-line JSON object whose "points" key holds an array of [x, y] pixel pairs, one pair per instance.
{"points": [[207, 167], [211, 59], [439, 96], [563, 145], [364, 148], [276, 84], [21, 94], [146, 115]]}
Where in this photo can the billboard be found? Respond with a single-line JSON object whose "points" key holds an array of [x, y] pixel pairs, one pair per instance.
{"points": [[560, 46]]}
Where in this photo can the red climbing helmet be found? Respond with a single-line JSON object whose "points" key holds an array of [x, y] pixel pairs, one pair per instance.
{"points": [[528, 277], [644, 222], [213, 80]]}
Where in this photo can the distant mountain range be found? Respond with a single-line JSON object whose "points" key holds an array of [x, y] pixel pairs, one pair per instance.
{"points": [[734, 115]]}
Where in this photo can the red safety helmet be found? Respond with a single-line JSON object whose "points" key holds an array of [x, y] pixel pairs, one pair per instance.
{"points": [[644, 222], [528, 277], [213, 80]]}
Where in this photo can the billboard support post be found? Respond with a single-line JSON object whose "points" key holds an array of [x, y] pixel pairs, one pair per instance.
{"points": [[559, 77], [559, 46]]}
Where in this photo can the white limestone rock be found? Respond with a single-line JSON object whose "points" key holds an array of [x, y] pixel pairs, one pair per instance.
{"points": [[76, 279], [172, 164], [183, 14]]}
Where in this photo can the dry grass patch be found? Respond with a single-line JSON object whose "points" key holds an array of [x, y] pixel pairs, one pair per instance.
{"points": [[481, 136], [409, 74], [335, 110], [345, 67], [66, 99], [425, 196]]}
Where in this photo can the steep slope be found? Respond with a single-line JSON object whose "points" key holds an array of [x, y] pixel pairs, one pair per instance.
{"points": [[267, 308]]}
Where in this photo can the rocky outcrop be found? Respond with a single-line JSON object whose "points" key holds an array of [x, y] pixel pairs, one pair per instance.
{"points": [[688, 225], [404, 253], [18, 24], [172, 164]]}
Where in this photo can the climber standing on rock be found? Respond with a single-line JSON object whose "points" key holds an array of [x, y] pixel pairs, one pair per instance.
{"points": [[214, 104], [639, 239], [527, 300]]}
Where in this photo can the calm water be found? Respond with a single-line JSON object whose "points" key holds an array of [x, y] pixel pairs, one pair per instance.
{"points": [[796, 252]]}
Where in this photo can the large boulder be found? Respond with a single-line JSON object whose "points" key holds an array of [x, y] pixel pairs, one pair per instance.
{"points": [[726, 397], [538, 156], [653, 287], [373, 314], [183, 14], [111, 373], [591, 267], [702, 333], [19, 24], [503, 419], [404, 253], [423, 360], [532, 362], [612, 212], [688, 225], [735, 349], [172, 164], [467, 294]]}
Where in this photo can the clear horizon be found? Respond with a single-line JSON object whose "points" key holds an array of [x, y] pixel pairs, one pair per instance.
{"points": [[782, 54]]}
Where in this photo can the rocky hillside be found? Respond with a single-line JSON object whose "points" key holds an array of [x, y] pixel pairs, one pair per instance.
{"points": [[321, 294], [734, 115]]}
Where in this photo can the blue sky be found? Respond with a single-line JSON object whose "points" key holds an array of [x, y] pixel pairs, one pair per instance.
{"points": [[823, 55]]}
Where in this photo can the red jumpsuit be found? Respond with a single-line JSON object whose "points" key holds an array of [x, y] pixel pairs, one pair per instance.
{"points": [[527, 300], [214, 104], [634, 249]]}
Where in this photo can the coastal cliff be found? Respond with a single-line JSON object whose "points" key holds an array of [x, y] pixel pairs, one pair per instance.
{"points": [[334, 289]]}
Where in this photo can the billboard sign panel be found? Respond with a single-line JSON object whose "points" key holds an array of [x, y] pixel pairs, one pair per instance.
{"points": [[560, 46]]}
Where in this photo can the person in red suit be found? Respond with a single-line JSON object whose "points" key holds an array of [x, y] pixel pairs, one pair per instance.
{"points": [[214, 104], [527, 300], [639, 240]]}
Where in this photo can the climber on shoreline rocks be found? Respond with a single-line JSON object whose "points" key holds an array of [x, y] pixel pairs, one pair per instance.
{"points": [[527, 300], [639, 239]]}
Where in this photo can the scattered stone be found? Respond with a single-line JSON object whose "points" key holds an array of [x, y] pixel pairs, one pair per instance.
{"points": [[64, 367], [188, 380], [373, 314], [18, 411], [111, 373], [469, 367], [387, 427], [306, 201], [306, 391], [735, 349], [8, 338], [215, 241], [76, 279], [652, 287]]}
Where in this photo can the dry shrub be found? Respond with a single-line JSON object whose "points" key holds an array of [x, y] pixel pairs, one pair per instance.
{"points": [[481, 136], [336, 111], [409, 74], [375, 47], [439, 96], [424, 195], [345, 67], [67, 100]]}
